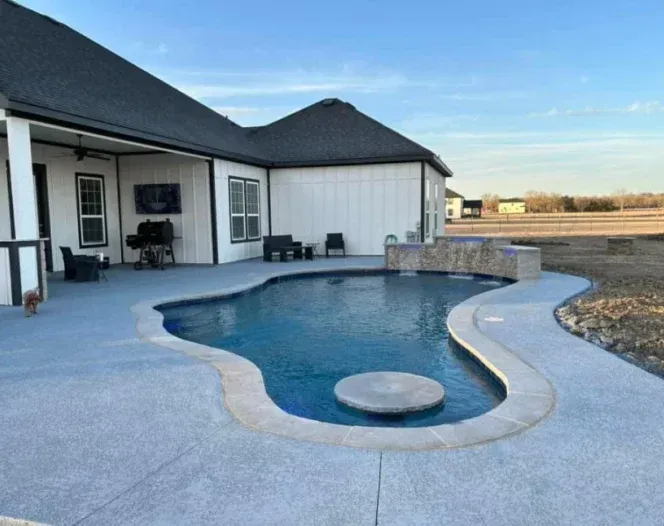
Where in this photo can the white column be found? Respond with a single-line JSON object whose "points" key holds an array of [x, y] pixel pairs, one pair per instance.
{"points": [[24, 201], [23, 182]]}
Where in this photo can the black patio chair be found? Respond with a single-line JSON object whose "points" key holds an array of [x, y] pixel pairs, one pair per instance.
{"points": [[335, 242], [80, 267]]}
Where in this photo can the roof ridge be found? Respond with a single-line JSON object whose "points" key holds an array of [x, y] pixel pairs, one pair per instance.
{"points": [[257, 129]]}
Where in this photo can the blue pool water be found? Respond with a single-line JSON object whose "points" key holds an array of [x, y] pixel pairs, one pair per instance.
{"points": [[306, 334]]}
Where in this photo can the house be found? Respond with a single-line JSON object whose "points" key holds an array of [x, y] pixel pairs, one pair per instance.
{"points": [[472, 208], [81, 128], [512, 206], [453, 204]]}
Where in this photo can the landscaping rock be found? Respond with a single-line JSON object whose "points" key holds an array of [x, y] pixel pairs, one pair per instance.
{"points": [[624, 312]]}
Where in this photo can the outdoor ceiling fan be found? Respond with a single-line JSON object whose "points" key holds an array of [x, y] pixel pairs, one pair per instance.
{"points": [[81, 152]]}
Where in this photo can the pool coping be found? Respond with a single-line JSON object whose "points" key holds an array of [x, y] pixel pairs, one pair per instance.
{"points": [[529, 396]]}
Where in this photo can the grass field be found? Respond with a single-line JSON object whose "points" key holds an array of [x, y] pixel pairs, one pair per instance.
{"points": [[568, 224]]}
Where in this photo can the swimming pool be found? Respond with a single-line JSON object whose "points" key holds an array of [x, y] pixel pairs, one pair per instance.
{"points": [[306, 333]]}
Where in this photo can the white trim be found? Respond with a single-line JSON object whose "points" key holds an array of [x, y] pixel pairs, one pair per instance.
{"points": [[119, 141], [3, 115], [257, 214], [242, 214], [81, 216]]}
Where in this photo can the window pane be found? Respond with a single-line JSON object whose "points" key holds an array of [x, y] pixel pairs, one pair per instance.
{"points": [[237, 197], [94, 185], [92, 230], [253, 227], [237, 227]]}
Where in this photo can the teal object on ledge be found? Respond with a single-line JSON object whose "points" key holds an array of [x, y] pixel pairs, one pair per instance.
{"points": [[391, 238]]}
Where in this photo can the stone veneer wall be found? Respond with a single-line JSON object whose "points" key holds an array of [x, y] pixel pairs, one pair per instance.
{"points": [[472, 255]]}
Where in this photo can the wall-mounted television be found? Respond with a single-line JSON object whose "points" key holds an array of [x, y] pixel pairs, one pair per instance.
{"points": [[157, 199]]}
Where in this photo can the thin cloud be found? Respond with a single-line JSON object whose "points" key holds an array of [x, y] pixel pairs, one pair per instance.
{"points": [[490, 96], [643, 108], [253, 115], [431, 121], [202, 84], [207, 91], [149, 49], [572, 161], [236, 110]]}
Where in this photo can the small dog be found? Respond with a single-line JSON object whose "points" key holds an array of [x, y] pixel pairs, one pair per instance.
{"points": [[31, 299]]}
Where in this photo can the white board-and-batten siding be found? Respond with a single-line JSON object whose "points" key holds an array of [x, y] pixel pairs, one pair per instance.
{"points": [[229, 251], [192, 228], [364, 202], [436, 227]]}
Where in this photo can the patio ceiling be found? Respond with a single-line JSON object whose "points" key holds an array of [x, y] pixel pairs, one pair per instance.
{"points": [[64, 137]]}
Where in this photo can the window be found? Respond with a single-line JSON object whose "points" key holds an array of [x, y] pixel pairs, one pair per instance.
{"points": [[238, 218], [253, 210], [245, 209], [91, 200], [435, 208], [427, 197]]}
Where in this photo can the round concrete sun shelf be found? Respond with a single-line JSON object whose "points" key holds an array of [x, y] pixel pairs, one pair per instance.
{"points": [[389, 392]]}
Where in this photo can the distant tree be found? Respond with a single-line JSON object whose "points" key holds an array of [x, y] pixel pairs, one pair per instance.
{"points": [[568, 204], [600, 204], [490, 202], [542, 202], [619, 198]]}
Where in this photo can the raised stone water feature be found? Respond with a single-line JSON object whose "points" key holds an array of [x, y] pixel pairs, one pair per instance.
{"points": [[466, 255]]}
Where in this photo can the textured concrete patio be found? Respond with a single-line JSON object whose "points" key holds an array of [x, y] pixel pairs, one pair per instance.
{"points": [[97, 427]]}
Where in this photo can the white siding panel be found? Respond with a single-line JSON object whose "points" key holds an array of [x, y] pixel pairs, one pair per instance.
{"points": [[5, 278], [61, 169], [237, 251], [364, 202], [5, 230], [436, 179], [192, 227]]}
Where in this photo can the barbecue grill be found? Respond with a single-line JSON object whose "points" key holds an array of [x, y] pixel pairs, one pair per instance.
{"points": [[154, 241]]}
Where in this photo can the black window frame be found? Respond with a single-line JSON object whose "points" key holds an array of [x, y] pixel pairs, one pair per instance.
{"points": [[244, 181], [101, 178]]}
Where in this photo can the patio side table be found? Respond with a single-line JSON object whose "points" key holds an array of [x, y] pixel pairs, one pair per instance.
{"points": [[314, 249]]}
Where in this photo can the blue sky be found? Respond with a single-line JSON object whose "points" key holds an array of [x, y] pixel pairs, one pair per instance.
{"points": [[564, 96]]}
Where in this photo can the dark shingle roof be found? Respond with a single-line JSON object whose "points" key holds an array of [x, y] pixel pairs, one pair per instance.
{"points": [[50, 71], [451, 194], [47, 67], [332, 131]]}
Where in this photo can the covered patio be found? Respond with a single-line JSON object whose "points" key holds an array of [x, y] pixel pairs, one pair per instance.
{"points": [[63, 187]]}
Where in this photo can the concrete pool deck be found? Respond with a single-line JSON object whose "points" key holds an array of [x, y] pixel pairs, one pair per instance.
{"points": [[97, 427]]}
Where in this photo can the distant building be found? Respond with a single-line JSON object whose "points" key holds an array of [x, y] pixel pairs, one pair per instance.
{"points": [[512, 206], [472, 208], [453, 204]]}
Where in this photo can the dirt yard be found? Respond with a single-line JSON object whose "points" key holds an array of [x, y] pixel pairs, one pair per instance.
{"points": [[625, 312]]}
